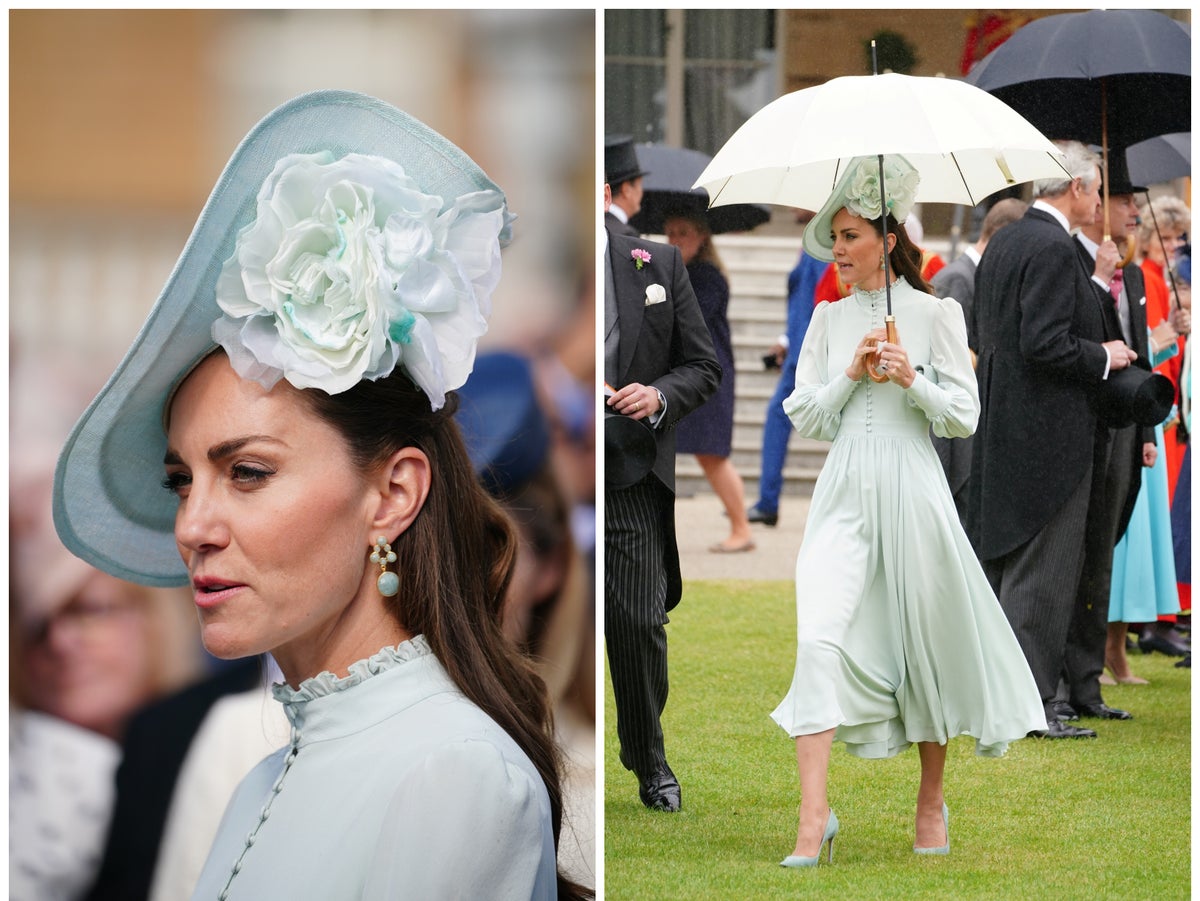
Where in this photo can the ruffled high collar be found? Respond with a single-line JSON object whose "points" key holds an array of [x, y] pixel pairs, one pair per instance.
{"points": [[881, 293], [327, 683]]}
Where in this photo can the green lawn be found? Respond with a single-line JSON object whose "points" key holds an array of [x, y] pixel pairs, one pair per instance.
{"points": [[1082, 819]]}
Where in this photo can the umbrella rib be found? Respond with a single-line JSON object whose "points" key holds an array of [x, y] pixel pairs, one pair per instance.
{"points": [[963, 179]]}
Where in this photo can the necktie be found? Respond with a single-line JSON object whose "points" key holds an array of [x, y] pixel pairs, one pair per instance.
{"points": [[1114, 287]]}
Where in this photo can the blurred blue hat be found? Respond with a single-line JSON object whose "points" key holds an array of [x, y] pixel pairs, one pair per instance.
{"points": [[506, 433]]}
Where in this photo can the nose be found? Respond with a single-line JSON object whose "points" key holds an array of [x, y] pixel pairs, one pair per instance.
{"points": [[200, 522]]}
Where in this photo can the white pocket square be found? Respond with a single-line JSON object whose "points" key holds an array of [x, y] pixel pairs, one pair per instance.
{"points": [[655, 294]]}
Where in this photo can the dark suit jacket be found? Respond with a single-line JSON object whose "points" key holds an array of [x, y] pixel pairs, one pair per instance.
{"points": [[155, 745], [957, 280], [665, 345], [1037, 327], [1139, 340], [616, 226]]}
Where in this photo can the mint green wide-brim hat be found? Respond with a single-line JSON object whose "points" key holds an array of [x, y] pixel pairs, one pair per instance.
{"points": [[900, 190], [110, 507]]}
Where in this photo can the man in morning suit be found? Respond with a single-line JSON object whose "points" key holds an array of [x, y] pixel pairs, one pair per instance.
{"points": [[957, 279], [623, 176], [1045, 346], [659, 358], [1120, 456]]}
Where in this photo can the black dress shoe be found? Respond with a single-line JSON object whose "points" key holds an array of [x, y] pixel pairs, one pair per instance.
{"points": [[1056, 728], [1185, 663], [1102, 711], [767, 518], [1151, 642], [660, 791], [1063, 711]]}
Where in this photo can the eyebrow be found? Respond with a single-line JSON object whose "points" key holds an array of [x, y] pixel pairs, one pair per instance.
{"points": [[221, 451]]}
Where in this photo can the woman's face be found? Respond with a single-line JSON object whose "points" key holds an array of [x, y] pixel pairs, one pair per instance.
{"points": [[857, 250], [274, 524], [91, 662], [686, 235], [1163, 252]]}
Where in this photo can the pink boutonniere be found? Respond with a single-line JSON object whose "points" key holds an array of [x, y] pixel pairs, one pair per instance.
{"points": [[640, 257]]}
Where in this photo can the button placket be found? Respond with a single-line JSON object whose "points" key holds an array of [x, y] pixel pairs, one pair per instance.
{"points": [[293, 753]]}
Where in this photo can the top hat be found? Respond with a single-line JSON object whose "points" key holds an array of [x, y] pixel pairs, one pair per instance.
{"points": [[620, 160], [629, 450], [1119, 181], [1134, 396]]}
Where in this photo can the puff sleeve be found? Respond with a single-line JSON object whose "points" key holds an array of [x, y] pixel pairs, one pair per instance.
{"points": [[947, 391], [465, 823], [815, 406]]}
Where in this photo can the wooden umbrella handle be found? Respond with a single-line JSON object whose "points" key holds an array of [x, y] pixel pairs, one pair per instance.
{"points": [[889, 323]]}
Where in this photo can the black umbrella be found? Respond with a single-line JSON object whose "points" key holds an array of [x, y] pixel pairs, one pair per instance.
{"points": [[1160, 159], [1107, 77], [667, 187], [1073, 75]]}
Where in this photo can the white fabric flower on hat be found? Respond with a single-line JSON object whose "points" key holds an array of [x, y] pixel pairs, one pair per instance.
{"points": [[349, 269], [863, 196]]}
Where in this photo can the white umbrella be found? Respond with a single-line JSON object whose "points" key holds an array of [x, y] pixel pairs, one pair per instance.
{"points": [[965, 143]]}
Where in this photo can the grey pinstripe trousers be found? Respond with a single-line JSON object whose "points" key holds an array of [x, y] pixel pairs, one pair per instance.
{"points": [[1038, 585], [635, 589]]}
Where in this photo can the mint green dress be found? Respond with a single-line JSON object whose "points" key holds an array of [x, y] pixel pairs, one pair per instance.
{"points": [[900, 638], [394, 786]]}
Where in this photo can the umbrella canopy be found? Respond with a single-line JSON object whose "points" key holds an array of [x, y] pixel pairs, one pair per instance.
{"points": [[965, 143], [1064, 72], [667, 187], [1160, 159]]}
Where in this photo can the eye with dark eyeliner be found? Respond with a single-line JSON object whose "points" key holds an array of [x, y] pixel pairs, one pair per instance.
{"points": [[246, 474], [176, 482]]}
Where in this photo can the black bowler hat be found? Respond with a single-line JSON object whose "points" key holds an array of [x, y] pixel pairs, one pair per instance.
{"points": [[620, 160], [1133, 396], [629, 450]]}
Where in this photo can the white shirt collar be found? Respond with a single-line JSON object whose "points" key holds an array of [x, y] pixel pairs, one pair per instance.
{"points": [[619, 213], [971, 254], [1089, 245], [1047, 208]]}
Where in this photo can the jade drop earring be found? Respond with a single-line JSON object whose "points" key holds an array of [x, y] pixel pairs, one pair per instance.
{"points": [[388, 582]]}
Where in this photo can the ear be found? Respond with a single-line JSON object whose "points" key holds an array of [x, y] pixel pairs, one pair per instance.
{"points": [[403, 484], [892, 241]]}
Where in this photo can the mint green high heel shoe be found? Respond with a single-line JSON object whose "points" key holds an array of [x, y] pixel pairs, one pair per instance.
{"points": [[831, 831], [944, 849]]}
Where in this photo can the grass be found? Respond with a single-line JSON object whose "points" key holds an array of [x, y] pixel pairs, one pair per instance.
{"points": [[1081, 819]]}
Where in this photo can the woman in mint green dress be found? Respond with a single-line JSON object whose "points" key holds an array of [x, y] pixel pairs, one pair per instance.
{"points": [[900, 638], [294, 384]]}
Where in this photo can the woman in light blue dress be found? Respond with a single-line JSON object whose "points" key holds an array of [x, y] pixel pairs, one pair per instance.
{"points": [[295, 385], [900, 638], [1143, 572]]}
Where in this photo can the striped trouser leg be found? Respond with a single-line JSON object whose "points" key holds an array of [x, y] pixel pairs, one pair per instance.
{"points": [[1037, 585], [635, 586]]}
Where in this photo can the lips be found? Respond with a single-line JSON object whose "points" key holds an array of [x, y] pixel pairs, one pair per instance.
{"points": [[210, 590]]}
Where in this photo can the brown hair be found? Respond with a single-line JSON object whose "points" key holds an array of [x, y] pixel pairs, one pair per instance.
{"points": [[456, 560], [905, 258], [707, 253]]}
